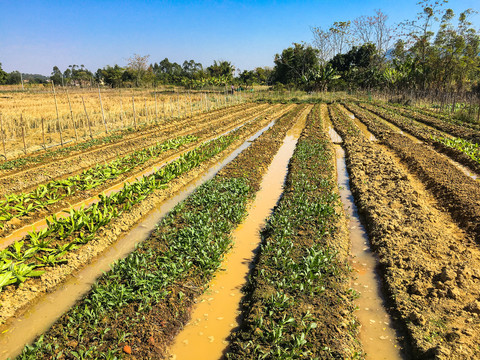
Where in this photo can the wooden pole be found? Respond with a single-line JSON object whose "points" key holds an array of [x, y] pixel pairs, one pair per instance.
{"points": [[156, 111], [24, 142], [88, 119], [71, 114], [58, 117], [134, 115], [103, 114], [3, 136], [121, 109], [43, 134], [146, 111]]}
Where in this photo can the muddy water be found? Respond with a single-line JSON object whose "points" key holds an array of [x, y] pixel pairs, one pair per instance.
{"points": [[464, 169], [41, 224], [363, 128], [17, 332], [334, 136], [217, 311], [377, 335]]}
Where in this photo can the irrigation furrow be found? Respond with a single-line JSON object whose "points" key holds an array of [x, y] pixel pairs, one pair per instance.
{"points": [[43, 157], [175, 264], [73, 196], [442, 125], [455, 191], [32, 177], [430, 136], [430, 266], [298, 303]]}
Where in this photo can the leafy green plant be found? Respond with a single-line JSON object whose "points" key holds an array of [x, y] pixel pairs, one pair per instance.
{"points": [[471, 149], [82, 224], [18, 205]]}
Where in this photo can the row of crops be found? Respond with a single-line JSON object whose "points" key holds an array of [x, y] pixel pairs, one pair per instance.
{"points": [[48, 247], [166, 271], [300, 285], [18, 205]]}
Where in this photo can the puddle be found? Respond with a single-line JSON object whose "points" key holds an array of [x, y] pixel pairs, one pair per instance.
{"points": [[363, 128], [377, 335], [334, 136], [21, 330], [463, 168], [217, 312]]}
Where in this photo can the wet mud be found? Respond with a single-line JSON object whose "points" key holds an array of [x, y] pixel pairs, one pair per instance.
{"points": [[216, 313], [13, 299], [431, 267]]}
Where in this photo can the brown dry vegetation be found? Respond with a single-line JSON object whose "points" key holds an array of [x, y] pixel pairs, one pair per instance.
{"points": [[22, 113]]}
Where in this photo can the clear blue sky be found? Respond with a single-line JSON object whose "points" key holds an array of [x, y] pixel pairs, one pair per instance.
{"points": [[35, 35]]}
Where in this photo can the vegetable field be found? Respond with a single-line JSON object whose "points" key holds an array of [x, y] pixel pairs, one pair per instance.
{"points": [[412, 175]]}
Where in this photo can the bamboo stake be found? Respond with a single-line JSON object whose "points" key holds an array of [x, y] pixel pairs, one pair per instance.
{"points": [[103, 114], [24, 142], [3, 136], [58, 117], [134, 115], [71, 114], [146, 111], [121, 110], [88, 119], [156, 112], [43, 134]]}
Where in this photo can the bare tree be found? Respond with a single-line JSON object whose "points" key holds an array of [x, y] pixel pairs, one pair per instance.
{"points": [[340, 36], [139, 66], [332, 42], [322, 40], [373, 29]]}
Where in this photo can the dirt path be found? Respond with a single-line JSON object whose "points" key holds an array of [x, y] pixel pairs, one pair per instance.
{"points": [[430, 266]]}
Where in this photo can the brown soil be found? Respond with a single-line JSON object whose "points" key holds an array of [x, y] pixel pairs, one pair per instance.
{"points": [[208, 132], [13, 299], [73, 164], [430, 266], [458, 193], [418, 130], [452, 129]]}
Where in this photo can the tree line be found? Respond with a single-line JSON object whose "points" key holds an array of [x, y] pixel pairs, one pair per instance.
{"points": [[438, 51]]}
